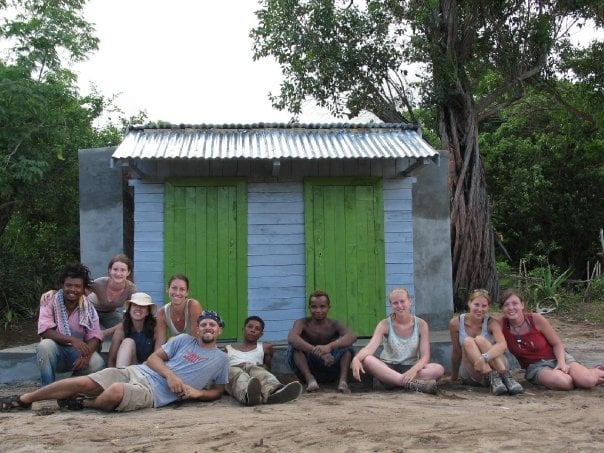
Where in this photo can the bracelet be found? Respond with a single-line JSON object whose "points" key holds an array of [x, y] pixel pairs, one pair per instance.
{"points": [[485, 356]]}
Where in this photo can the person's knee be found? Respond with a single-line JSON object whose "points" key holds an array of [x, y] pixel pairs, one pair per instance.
{"points": [[128, 343], [128, 347], [96, 363], [46, 348], [468, 342], [114, 393]]}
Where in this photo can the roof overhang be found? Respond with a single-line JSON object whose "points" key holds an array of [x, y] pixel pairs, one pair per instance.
{"points": [[274, 142]]}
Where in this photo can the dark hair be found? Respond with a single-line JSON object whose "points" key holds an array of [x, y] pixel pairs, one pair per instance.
{"points": [[509, 293], [319, 293], [210, 314], [182, 277], [254, 318], [76, 270], [148, 324], [122, 258]]}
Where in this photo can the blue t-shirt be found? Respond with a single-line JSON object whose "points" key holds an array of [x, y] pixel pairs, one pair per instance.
{"points": [[144, 345], [196, 366]]}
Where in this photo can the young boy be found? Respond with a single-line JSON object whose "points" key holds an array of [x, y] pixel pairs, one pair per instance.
{"points": [[250, 379], [320, 349]]}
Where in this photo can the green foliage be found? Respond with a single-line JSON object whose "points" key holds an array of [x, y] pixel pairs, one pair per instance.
{"points": [[43, 33], [545, 176], [43, 124], [597, 288], [474, 57], [545, 292]]}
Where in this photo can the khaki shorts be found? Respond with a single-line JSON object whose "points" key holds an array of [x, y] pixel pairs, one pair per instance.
{"points": [[137, 390], [533, 370]]}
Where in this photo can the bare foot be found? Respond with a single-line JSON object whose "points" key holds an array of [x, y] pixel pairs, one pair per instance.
{"points": [[343, 387], [312, 386]]}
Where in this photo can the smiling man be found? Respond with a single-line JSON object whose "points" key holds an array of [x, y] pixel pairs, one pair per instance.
{"points": [[69, 328], [320, 349], [184, 368]]}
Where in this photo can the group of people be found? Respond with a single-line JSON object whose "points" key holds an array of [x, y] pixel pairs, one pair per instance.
{"points": [[158, 356], [479, 343]]}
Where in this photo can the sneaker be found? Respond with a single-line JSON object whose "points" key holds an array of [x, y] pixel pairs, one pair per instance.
{"points": [[497, 385], [514, 388], [423, 386], [253, 396], [286, 393]]}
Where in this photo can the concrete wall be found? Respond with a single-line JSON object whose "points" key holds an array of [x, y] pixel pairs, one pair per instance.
{"points": [[101, 209], [432, 252]]}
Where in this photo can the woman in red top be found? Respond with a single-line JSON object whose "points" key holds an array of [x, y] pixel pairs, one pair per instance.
{"points": [[539, 350]]}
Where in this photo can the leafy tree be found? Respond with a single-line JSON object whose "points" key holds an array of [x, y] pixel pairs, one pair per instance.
{"points": [[43, 123], [352, 56], [43, 33], [545, 168]]}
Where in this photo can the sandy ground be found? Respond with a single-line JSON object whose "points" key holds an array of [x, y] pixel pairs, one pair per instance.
{"points": [[457, 419]]}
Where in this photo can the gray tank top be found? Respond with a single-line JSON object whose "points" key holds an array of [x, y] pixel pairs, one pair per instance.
{"points": [[485, 329]]}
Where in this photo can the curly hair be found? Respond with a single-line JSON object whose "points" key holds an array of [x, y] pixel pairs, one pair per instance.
{"points": [[76, 270]]}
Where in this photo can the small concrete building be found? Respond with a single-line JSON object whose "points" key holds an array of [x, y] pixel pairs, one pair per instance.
{"points": [[258, 216]]}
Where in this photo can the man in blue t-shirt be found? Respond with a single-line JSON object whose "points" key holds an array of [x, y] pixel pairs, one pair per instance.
{"points": [[184, 368]]}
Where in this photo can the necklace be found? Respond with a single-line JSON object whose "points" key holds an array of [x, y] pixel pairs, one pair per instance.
{"points": [[517, 332], [519, 327], [176, 316]]}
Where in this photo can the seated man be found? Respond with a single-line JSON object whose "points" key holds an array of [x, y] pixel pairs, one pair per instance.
{"points": [[184, 368], [250, 379], [69, 328], [320, 349]]}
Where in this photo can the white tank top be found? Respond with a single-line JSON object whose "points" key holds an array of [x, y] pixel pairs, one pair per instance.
{"points": [[237, 357]]}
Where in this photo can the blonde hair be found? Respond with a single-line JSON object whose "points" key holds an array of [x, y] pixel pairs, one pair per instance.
{"points": [[399, 290], [480, 293]]}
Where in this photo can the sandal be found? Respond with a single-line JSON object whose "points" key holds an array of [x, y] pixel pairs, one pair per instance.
{"points": [[13, 402], [75, 403]]}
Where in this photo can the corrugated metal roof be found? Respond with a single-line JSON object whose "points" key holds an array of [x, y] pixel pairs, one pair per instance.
{"points": [[274, 141]]}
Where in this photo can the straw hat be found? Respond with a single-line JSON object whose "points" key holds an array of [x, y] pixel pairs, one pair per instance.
{"points": [[141, 299]]}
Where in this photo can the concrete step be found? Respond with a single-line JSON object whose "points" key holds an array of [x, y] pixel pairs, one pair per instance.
{"points": [[18, 364]]}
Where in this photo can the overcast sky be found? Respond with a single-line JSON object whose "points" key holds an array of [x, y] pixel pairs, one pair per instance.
{"points": [[183, 61]]}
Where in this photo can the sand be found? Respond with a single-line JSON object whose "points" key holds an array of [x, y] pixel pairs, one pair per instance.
{"points": [[459, 418]]}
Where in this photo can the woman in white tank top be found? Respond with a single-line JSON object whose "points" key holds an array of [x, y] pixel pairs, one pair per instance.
{"points": [[405, 360]]}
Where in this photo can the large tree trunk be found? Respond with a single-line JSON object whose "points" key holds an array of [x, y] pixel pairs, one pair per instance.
{"points": [[472, 239]]}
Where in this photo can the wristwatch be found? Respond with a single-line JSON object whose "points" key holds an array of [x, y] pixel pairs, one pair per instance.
{"points": [[485, 356]]}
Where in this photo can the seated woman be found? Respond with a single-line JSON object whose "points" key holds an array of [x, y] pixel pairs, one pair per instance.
{"points": [[404, 361], [133, 340], [180, 314], [536, 345], [110, 293], [478, 348]]}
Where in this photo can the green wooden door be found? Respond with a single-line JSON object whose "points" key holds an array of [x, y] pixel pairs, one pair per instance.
{"points": [[206, 239], [344, 220]]}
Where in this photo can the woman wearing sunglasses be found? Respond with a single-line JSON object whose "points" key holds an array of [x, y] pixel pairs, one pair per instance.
{"points": [[539, 350]]}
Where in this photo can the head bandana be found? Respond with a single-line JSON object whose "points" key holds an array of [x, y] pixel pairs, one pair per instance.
{"points": [[209, 314]]}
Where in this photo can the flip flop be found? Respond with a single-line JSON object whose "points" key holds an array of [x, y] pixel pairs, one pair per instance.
{"points": [[13, 402]]}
